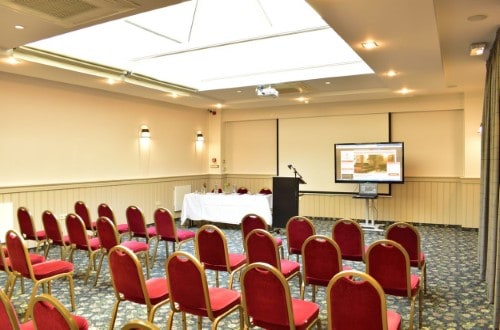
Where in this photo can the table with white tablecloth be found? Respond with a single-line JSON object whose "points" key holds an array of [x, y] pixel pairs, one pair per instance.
{"points": [[226, 208]]}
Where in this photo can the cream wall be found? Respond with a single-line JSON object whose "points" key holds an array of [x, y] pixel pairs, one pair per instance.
{"points": [[56, 133]]}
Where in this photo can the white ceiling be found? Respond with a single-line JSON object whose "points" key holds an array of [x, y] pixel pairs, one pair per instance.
{"points": [[426, 42]]}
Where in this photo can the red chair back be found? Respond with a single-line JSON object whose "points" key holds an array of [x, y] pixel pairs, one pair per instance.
{"points": [[103, 210], [250, 222], [321, 260], [165, 225], [107, 233], [8, 315], [18, 254], [76, 231], [187, 283], [211, 247], [135, 221], [49, 314], [406, 235], [266, 296], [261, 247], [26, 225], [349, 236], [298, 229], [52, 227], [127, 275], [388, 262], [83, 212], [355, 301]]}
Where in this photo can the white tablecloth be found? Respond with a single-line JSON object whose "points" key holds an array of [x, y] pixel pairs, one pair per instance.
{"points": [[226, 208]]}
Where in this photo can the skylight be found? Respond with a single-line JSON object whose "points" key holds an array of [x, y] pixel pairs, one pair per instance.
{"points": [[207, 44]]}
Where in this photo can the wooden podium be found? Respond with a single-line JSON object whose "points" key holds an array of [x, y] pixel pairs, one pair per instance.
{"points": [[285, 199]]}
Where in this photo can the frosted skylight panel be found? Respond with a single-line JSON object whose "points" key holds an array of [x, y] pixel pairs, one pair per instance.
{"points": [[208, 44]]}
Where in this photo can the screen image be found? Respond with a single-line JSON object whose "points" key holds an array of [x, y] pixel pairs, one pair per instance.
{"points": [[369, 162]]}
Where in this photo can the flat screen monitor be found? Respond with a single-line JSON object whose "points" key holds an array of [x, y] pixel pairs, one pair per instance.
{"points": [[381, 162]]}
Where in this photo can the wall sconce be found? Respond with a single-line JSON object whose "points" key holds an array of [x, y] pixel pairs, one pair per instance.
{"points": [[145, 133], [480, 129], [199, 137]]}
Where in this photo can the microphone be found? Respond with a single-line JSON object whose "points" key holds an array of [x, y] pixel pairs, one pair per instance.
{"points": [[290, 166]]}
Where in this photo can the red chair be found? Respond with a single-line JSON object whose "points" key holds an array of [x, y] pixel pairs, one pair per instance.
{"points": [[8, 315], [242, 190], [54, 234], [409, 237], [129, 283], [42, 273], [80, 241], [348, 234], [212, 252], [167, 231], [298, 229], [262, 247], [108, 238], [6, 266], [253, 221], [49, 314], [268, 302], [82, 211], [355, 301], [265, 191], [388, 263], [137, 225], [28, 229], [321, 260], [104, 210], [190, 293]]}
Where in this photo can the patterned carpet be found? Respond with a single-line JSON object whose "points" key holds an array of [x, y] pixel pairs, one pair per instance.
{"points": [[455, 299]]}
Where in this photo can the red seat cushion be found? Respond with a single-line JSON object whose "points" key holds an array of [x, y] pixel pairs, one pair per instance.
{"points": [[183, 235], [51, 267], [288, 267], [222, 299], [393, 320], [135, 246]]}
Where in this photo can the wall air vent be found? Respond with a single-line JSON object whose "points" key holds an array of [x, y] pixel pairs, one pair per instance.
{"points": [[71, 13]]}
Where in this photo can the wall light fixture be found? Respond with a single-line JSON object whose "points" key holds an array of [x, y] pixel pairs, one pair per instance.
{"points": [[199, 137], [145, 133]]}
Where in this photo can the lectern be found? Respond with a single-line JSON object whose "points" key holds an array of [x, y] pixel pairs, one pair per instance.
{"points": [[285, 199]]}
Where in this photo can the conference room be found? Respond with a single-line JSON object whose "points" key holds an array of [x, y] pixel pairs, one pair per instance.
{"points": [[70, 135]]}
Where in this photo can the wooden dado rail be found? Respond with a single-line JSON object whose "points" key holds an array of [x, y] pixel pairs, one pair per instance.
{"points": [[446, 201]]}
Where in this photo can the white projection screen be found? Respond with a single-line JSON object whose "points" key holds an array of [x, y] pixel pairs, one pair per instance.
{"points": [[308, 145]]}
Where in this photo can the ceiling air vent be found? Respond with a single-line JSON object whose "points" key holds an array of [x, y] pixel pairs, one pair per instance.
{"points": [[292, 88], [71, 13]]}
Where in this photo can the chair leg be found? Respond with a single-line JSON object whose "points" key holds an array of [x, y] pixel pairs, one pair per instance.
{"points": [[170, 320], [99, 268], [113, 314], [155, 250]]}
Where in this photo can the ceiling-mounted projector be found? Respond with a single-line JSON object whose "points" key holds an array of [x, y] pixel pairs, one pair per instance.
{"points": [[262, 90]]}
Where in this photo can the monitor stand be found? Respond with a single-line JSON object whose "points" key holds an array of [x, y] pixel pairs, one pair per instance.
{"points": [[369, 224]]}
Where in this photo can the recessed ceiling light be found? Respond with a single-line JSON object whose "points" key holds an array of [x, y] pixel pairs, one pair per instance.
{"points": [[12, 60], [19, 27], [369, 44], [404, 91], [391, 73], [327, 83]]}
